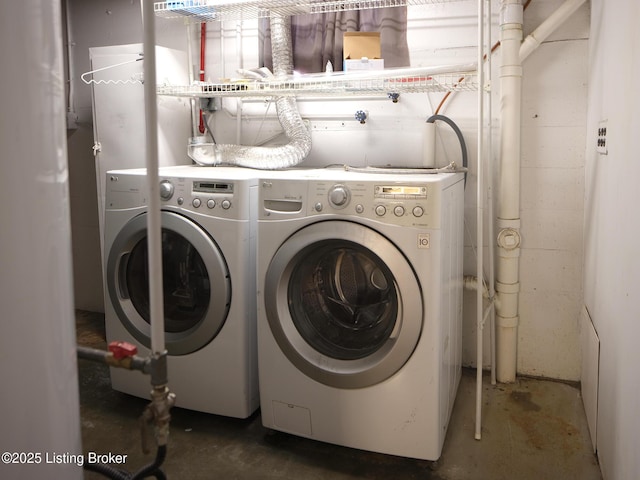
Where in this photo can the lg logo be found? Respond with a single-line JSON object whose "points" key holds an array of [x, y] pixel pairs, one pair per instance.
{"points": [[423, 240]]}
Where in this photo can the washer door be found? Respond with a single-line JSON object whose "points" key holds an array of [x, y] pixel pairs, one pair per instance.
{"points": [[343, 304], [196, 284]]}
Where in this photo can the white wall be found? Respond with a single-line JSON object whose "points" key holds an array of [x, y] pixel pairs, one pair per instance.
{"points": [[612, 266], [39, 403], [554, 109], [554, 116], [553, 137]]}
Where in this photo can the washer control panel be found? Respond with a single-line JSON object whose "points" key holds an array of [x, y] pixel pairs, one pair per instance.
{"points": [[223, 192], [210, 197], [401, 203]]}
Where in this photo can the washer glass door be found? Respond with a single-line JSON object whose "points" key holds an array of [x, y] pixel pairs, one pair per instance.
{"points": [[196, 285], [344, 304]]}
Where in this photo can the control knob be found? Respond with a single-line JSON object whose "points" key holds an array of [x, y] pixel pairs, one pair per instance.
{"points": [[166, 190], [339, 196], [398, 211]]}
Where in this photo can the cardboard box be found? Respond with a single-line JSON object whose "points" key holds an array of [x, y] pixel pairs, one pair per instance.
{"points": [[361, 51], [356, 45]]}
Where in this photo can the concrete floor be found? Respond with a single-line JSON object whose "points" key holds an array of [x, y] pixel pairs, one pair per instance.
{"points": [[532, 429]]}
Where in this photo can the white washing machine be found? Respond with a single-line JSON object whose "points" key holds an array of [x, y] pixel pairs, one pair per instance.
{"points": [[360, 307], [208, 251]]}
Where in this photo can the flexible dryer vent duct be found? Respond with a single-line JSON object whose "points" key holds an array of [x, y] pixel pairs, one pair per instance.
{"points": [[299, 146]]}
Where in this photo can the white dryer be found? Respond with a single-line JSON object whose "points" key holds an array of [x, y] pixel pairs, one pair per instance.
{"points": [[360, 307], [208, 252]]}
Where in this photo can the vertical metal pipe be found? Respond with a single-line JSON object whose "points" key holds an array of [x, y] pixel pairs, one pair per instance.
{"points": [[480, 221], [239, 102], [489, 175], [153, 201]]}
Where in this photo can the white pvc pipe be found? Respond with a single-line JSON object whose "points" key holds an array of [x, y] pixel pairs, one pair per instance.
{"points": [[40, 412], [429, 145], [508, 268], [545, 29], [507, 274], [154, 222], [490, 227], [480, 222]]}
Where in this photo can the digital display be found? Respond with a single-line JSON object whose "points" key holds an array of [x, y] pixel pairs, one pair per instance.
{"points": [[401, 191], [213, 187]]}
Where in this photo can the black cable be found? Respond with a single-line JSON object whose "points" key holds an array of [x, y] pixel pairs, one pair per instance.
{"points": [[463, 145], [107, 471], [152, 468], [206, 125]]}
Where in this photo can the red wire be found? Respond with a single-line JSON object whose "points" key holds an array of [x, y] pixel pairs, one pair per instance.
{"points": [[203, 40]]}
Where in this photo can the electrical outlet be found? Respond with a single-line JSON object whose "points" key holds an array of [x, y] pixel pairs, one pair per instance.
{"points": [[601, 145]]}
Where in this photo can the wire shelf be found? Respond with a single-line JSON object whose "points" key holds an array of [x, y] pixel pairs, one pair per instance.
{"points": [[338, 84], [198, 11]]}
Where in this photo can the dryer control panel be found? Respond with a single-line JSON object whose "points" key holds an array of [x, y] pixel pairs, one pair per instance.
{"points": [[409, 204]]}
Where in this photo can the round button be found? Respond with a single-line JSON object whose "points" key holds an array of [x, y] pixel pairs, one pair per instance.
{"points": [[196, 202], [339, 196], [166, 190], [398, 211], [211, 203], [380, 210], [180, 200], [318, 207], [226, 204], [418, 211], [359, 208]]}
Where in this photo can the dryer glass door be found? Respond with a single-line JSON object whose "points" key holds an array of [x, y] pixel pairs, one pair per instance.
{"points": [[343, 299], [343, 304], [196, 289]]}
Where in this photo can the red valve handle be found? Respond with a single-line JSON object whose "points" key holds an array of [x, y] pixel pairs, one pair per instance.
{"points": [[122, 349]]}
